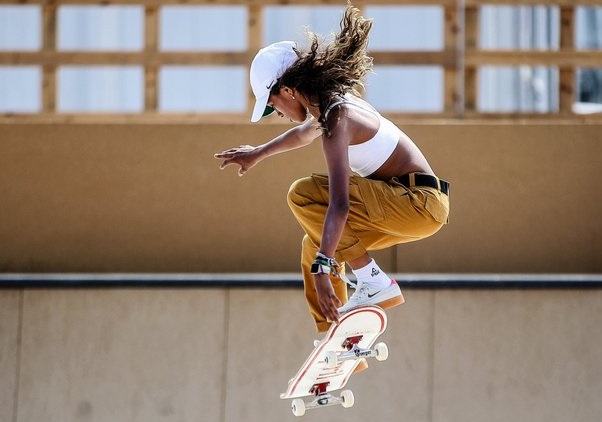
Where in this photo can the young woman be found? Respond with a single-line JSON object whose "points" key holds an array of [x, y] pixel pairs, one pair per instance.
{"points": [[392, 196]]}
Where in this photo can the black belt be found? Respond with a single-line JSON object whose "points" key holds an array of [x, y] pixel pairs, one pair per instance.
{"points": [[421, 179]]}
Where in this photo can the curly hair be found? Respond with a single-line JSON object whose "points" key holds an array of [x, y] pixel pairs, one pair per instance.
{"points": [[325, 72]]}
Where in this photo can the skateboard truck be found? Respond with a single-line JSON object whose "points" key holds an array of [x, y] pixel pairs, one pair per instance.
{"points": [[322, 399], [354, 351]]}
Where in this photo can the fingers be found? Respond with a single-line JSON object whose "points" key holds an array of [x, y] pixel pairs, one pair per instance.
{"points": [[225, 154], [330, 309], [241, 171], [232, 151], [327, 299], [235, 155], [225, 163]]}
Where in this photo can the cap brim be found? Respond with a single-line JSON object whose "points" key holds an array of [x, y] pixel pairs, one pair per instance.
{"points": [[259, 108]]}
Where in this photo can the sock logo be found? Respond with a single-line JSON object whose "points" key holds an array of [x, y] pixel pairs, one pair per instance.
{"points": [[375, 272]]}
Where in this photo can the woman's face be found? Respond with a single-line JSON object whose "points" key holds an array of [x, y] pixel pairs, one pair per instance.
{"points": [[288, 105]]}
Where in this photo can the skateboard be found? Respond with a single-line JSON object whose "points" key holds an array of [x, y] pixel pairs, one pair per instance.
{"points": [[334, 359]]}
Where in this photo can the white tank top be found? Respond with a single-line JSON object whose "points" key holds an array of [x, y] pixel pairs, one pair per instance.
{"points": [[369, 156]]}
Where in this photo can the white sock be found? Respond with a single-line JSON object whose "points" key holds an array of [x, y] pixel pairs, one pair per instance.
{"points": [[372, 276]]}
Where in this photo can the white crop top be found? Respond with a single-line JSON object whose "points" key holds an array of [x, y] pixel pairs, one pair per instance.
{"points": [[367, 157]]}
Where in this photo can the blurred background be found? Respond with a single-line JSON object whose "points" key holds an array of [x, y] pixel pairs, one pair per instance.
{"points": [[138, 282], [207, 27]]}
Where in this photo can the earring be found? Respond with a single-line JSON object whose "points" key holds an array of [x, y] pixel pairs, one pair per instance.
{"points": [[293, 97]]}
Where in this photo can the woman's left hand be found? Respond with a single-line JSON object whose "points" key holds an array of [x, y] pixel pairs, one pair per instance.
{"points": [[246, 156]]}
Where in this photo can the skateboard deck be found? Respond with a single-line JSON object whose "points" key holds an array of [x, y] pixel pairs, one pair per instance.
{"points": [[334, 359]]}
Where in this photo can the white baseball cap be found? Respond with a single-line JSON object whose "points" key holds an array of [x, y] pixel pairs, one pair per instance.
{"points": [[267, 67]]}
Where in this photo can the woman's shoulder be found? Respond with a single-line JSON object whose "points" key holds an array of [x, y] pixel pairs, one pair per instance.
{"points": [[347, 102], [354, 119]]}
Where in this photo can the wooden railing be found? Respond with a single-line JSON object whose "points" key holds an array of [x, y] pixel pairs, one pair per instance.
{"points": [[460, 57]]}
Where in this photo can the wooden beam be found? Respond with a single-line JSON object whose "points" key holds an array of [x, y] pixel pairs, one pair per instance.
{"points": [[147, 58], [122, 58], [560, 58], [445, 59]]}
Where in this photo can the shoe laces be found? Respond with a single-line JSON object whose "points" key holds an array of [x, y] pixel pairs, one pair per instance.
{"points": [[360, 292]]}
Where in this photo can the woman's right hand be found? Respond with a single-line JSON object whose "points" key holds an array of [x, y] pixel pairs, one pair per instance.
{"points": [[327, 299], [246, 156]]}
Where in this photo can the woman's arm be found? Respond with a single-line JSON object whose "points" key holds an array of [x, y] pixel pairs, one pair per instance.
{"points": [[337, 159], [247, 156]]}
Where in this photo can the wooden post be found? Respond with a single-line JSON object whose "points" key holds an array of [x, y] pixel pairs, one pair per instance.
{"points": [[452, 104], [49, 46], [471, 35], [566, 74], [255, 38], [151, 42]]}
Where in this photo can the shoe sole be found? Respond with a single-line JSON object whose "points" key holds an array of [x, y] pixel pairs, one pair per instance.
{"points": [[391, 303]]}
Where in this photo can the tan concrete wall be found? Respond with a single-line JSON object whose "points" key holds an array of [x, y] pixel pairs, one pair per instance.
{"points": [[150, 198], [217, 355], [10, 344]]}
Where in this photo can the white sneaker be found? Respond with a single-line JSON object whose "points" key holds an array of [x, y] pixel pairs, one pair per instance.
{"points": [[365, 295]]}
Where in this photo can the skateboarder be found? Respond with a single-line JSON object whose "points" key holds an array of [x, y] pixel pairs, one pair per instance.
{"points": [[392, 196]]}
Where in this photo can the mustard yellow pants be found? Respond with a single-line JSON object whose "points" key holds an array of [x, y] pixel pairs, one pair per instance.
{"points": [[381, 215]]}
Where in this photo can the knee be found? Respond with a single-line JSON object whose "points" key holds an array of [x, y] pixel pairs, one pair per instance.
{"points": [[308, 247], [298, 192]]}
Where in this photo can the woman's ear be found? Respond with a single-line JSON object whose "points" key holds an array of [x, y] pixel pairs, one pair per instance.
{"points": [[289, 92]]}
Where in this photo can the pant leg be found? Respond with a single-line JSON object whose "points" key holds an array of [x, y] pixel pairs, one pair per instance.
{"points": [[380, 215], [308, 200]]}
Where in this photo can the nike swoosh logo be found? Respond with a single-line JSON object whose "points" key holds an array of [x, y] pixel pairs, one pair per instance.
{"points": [[270, 85], [374, 294]]}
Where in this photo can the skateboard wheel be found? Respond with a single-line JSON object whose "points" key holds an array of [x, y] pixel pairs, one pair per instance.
{"points": [[331, 359], [347, 398], [298, 407], [382, 351]]}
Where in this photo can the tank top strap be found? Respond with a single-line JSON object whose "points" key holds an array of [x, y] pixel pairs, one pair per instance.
{"points": [[333, 105], [351, 103]]}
